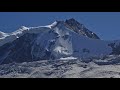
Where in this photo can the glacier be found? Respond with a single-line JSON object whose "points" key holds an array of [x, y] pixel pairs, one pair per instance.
{"points": [[63, 68]]}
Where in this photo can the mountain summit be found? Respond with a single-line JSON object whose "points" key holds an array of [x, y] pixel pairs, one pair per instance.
{"points": [[61, 39], [77, 27], [80, 28]]}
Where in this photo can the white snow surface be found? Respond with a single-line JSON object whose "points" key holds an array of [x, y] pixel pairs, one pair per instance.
{"points": [[68, 58]]}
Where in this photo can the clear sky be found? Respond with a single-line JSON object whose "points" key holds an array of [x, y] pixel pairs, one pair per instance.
{"points": [[105, 24]]}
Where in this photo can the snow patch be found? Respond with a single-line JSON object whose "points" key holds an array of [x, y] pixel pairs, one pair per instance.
{"points": [[68, 58]]}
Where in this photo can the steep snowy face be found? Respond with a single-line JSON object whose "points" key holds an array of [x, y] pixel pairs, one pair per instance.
{"points": [[80, 28], [38, 44], [60, 41], [52, 44]]}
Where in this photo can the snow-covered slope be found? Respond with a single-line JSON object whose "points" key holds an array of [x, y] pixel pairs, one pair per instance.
{"points": [[53, 41], [6, 38]]}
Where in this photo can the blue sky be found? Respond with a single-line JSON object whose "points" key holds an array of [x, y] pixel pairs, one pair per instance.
{"points": [[105, 24]]}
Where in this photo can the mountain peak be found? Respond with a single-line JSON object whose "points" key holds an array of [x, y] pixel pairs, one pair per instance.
{"points": [[74, 25], [80, 28], [71, 19], [72, 22]]}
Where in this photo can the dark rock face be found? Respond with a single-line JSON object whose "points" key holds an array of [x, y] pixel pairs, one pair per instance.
{"points": [[19, 50], [80, 28]]}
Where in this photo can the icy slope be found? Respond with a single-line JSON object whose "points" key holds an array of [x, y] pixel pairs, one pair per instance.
{"points": [[18, 33]]}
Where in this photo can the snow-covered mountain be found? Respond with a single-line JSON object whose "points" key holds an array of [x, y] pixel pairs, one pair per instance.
{"points": [[59, 40]]}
